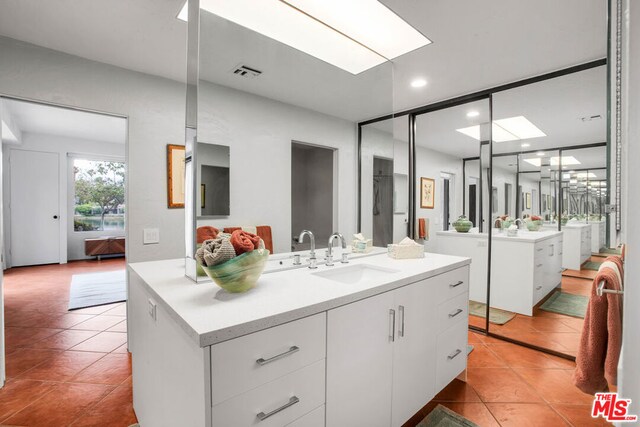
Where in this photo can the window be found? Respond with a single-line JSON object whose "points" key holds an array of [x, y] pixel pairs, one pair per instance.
{"points": [[99, 195]]}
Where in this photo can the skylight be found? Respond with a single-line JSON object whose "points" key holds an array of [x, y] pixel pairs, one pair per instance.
{"points": [[355, 35], [504, 130], [554, 161]]}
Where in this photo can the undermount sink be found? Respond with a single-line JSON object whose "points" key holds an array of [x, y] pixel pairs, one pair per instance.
{"points": [[355, 273]]}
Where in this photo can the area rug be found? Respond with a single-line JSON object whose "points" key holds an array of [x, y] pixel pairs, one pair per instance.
{"points": [[567, 304], [92, 289], [591, 265], [442, 416], [499, 317], [610, 251]]}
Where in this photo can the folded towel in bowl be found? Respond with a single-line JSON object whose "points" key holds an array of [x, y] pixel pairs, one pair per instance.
{"points": [[244, 242], [216, 251], [206, 232]]}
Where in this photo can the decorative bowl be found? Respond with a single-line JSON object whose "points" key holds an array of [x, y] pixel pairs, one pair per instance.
{"points": [[534, 225], [506, 223], [241, 273], [462, 224]]}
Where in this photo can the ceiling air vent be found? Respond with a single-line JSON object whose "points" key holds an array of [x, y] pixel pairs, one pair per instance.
{"points": [[244, 71]]}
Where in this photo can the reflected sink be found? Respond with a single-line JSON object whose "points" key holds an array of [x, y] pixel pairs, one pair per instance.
{"points": [[355, 273]]}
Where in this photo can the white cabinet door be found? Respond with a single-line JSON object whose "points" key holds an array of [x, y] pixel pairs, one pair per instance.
{"points": [[414, 350], [360, 363]]}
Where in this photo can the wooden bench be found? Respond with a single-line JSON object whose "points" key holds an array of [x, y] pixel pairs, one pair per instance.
{"points": [[100, 246]]}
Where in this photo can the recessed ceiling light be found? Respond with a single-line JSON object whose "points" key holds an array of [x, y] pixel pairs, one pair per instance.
{"points": [[581, 175], [554, 161], [183, 15], [417, 83], [504, 130], [356, 35], [540, 153], [473, 114], [564, 167], [525, 145]]}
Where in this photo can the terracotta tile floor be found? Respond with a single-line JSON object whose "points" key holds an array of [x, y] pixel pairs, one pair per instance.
{"points": [[509, 385], [545, 329], [64, 368]]}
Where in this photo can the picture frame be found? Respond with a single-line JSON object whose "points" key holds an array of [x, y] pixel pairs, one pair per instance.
{"points": [[427, 193], [203, 192], [175, 176], [528, 201]]}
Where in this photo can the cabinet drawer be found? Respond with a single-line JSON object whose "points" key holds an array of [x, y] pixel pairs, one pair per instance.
{"points": [[451, 284], [278, 402], [244, 363], [314, 418], [451, 354], [453, 311]]}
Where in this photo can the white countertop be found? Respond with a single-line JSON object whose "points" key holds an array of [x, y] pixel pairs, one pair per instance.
{"points": [[211, 315], [523, 235]]}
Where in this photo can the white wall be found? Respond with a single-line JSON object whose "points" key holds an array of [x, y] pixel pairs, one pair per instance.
{"points": [[71, 242], [210, 155], [259, 132], [156, 111], [629, 372], [500, 178]]}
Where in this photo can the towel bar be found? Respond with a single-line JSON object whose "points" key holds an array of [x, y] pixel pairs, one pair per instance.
{"points": [[601, 290]]}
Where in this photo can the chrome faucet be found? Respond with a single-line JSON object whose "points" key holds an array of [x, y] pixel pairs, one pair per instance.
{"points": [[329, 258], [518, 222], [312, 253]]}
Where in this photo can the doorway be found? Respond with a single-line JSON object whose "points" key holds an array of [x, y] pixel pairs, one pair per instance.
{"points": [[382, 201], [313, 193]]}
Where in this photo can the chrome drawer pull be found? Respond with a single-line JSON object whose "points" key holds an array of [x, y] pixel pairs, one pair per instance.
{"points": [[392, 324], [292, 401], [539, 265], [289, 352], [454, 314], [539, 249], [401, 330], [454, 354], [455, 285]]}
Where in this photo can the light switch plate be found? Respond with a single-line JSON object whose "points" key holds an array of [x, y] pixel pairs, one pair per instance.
{"points": [[151, 236]]}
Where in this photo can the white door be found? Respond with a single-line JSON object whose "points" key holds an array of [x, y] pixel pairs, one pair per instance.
{"points": [[414, 373], [359, 363], [34, 207]]}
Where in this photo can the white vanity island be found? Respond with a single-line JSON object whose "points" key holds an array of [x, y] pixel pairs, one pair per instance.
{"points": [[364, 343], [525, 268]]}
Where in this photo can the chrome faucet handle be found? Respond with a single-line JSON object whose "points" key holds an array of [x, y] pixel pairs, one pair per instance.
{"points": [[296, 260], [329, 261], [345, 258], [313, 263]]}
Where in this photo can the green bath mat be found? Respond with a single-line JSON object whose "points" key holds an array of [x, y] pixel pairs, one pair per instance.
{"points": [[499, 317], [567, 304], [610, 251], [442, 416], [591, 265]]}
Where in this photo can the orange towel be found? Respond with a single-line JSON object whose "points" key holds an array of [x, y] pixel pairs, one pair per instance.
{"points": [[206, 232], [264, 231], [601, 340], [422, 228], [230, 230], [244, 242]]}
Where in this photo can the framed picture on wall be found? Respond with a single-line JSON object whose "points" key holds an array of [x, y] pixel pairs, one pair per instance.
{"points": [[175, 175], [427, 193], [528, 201]]}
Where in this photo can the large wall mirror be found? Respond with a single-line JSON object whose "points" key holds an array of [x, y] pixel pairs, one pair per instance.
{"points": [[278, 133], [549, 151]]}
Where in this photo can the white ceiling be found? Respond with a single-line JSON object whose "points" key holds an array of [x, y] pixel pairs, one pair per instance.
{"points": [[30, 117], [477, 44]]}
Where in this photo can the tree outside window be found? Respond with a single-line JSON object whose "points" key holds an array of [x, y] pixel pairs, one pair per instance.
{"points": [[99, 195]]}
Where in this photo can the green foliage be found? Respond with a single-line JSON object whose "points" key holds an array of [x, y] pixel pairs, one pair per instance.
{"points": [[79, 225], [100, 186]]}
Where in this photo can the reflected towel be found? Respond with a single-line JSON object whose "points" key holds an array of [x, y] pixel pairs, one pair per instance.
{"points": [[601, 340], [244, 242], [206, 232], [422, 228], [264, 231], [216, 251], [230, 230]]}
